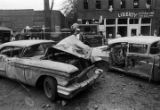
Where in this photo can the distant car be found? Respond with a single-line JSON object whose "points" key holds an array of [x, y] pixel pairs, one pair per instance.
{"points": [[39, 63], [138, 56]]}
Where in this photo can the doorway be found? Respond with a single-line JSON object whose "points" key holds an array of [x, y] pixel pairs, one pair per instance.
{"points": [[133, 30]]}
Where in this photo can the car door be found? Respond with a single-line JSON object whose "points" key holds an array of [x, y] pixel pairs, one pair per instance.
{"points": [[14, 68], [2, 65], [118, 54], [138, 60], [4, 53]]}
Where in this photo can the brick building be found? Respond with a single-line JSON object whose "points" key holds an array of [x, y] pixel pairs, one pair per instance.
{"points": [[126, 17], [19, 19]]}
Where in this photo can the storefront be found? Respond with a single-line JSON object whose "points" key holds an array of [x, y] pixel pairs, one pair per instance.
{"points": [[129, 23], [123, 22]]}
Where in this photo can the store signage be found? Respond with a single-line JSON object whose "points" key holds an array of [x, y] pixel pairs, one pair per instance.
{"points": [[127, 14], [136, 14]]}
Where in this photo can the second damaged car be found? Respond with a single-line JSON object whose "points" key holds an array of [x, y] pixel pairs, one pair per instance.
{"points": [[40, 63], [137, 56]]}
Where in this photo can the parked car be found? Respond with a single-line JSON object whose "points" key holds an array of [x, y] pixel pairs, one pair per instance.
{"points": [[138, 56], [41, 63]]}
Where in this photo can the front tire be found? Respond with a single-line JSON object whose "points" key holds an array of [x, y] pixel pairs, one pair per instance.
{"points": [[50, 88]]}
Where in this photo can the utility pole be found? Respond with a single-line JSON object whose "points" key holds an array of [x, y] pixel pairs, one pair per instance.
{"points": [[47, 14]]}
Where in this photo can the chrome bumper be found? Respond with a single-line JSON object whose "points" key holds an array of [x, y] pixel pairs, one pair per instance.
{"points": [[72, 90]]}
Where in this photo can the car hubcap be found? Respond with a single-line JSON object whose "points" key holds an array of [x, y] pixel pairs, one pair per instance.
{"points": [[48, 89]]}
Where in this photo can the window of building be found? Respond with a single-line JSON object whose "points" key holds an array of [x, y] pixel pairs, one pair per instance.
{"points": [[110, 3], [110, 32], [122, 30], [123, 4], [122, 21], [146, 20], [98, 4], [133, 21], [145, 30], [135, 3], [110, 21], [85, 4], [148, 4]]}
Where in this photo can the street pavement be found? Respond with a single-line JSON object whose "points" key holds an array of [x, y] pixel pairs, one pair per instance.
{"points": [[112, 91]]}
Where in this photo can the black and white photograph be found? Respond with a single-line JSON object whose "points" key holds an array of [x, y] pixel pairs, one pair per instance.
{"points": [[79, 54]]}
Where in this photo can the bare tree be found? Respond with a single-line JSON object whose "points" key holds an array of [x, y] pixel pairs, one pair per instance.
{"points": [[70, 8]]}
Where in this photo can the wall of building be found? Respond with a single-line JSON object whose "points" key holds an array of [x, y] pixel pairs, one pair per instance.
{"points": [[129, 13], [19, 19], [105, 5], [16, 19]]}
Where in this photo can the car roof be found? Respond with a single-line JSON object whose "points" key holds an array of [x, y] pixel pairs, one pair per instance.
{"points": [[24, 43], [136, 40]]}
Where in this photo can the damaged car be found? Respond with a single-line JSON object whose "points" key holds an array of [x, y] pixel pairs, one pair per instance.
{"points": [[59, 70], [137, 56]]}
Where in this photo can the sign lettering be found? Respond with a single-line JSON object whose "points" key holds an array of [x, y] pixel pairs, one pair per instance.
{"points": [[136, 14]]}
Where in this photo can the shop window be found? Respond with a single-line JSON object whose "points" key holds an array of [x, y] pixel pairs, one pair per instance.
{"points": [[123, 4], [145, 30], [122, 21], [133, 21], [110, 32], [122, 30], [110, 21], [85, 4], [110, 3], [135, 3], [146, 20], [98, 4]]}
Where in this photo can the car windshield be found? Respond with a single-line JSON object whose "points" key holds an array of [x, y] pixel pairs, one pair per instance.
{"points": [[138, 48]]}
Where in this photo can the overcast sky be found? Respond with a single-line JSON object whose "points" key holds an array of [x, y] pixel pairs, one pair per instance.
{"points": [[27, 4]]}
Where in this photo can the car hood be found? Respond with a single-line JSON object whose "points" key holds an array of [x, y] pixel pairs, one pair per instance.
{"points": [[75, 47]]}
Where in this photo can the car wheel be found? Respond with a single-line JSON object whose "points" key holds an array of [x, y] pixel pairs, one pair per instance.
{"points": [[50, 88]]}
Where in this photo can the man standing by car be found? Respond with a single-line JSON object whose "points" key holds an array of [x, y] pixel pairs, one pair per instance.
{"points": [[78, 34]]}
